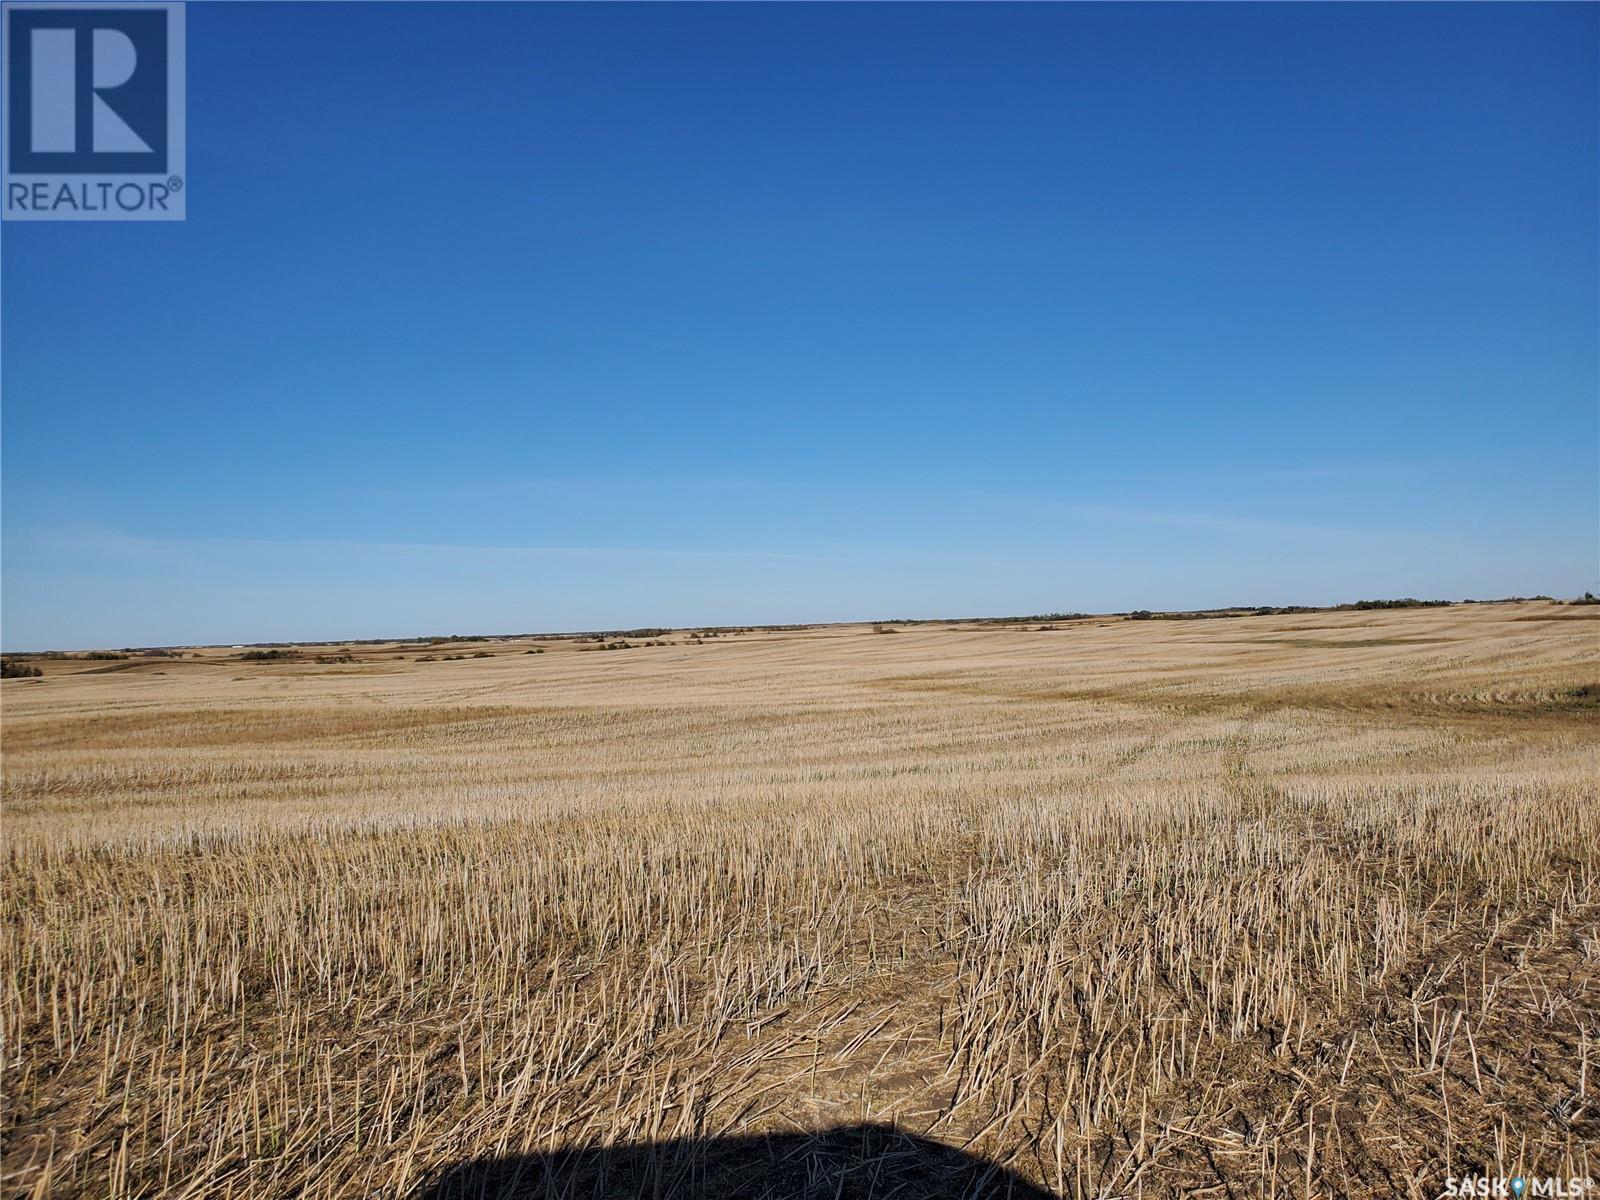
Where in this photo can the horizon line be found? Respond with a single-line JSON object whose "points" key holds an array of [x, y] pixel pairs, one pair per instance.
{"points": [[1240, 610]]}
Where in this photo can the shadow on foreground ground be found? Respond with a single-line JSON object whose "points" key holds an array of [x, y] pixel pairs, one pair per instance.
{"points": [[852, 1162]]}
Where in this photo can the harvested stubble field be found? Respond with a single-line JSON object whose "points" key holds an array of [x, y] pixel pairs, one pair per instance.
{"points": [[1293, 905]]}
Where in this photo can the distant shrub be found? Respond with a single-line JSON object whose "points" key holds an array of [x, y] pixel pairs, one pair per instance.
{"points": [[1140, 614], [336, 658], [104, 656], [10, 668], [265, 655], [535, 650], [1043, 618], [1407, 602]]}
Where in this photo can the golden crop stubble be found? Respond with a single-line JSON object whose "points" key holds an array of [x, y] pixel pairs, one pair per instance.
{"points": [[1146, 906]]}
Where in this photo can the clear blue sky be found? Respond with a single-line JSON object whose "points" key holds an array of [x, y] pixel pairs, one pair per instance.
{"points": [[530, 318]]}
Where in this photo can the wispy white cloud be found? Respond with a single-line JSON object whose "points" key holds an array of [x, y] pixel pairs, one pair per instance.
{"points": [[107, 540], [1115, 512]]}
